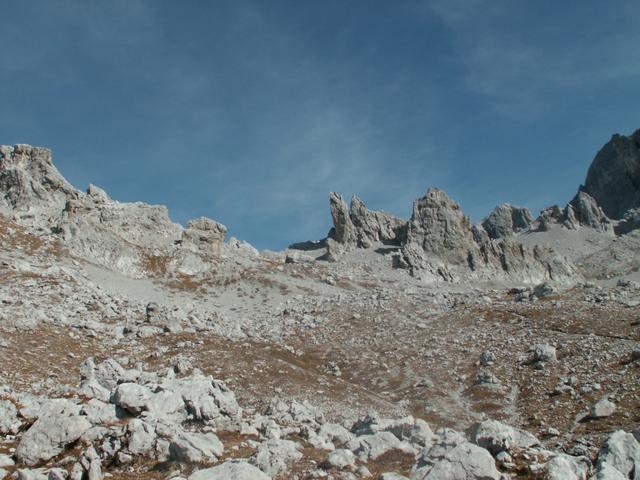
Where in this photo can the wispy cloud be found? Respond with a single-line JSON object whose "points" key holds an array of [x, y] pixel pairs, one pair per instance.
{"points": [[524, 57]]}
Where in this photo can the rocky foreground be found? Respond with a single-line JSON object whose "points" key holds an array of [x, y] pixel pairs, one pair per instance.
{"points": [[427, 348], [179, 423]]}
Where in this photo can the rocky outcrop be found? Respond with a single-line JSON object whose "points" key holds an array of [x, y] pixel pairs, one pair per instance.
{"points": [[374, 226], [136, 239], [506, 219], [343, 230], [29, 182], [442, 245], [359, 227], [613, 179], [630, 222], [439, 228], [205, 234], [582, 211], [610, 197]]}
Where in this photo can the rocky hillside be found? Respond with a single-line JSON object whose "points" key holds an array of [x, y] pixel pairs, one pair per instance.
{"points": [[428, 348]]}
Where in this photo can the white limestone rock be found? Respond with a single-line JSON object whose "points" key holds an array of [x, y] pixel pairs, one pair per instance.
{"points": [[455, 461], [195, 447], [49, 436], [9, 421], [498, 437], [231, 470], [273, 456], [622, 452]]}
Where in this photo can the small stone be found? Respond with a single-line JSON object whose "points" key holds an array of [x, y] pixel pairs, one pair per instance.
{"points": [[603, 408]]}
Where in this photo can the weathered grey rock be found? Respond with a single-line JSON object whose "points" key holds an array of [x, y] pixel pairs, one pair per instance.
{"points": [[613, 178], [97, 194], [30, 474], [9, 421], [622, 452], [56, 474], [372, 226], [132, 397], [566, 467], [370, 447], [498, 437], [340, 459], [343, 231], [49, 436], [294, 412], [195, 447], [273, 456], [100, 413], [231, 470], [204, 397], [588, 212], [457, 461], [487, 379], [6, 461], [441, 245], [607, 472], [543, 290], [630, 221], [141, 438], [30, 182], [544, 352], [438, 227], [603, 408], [205, 234], [88, 467], [359, 227], [506, 220], [107, 374]]}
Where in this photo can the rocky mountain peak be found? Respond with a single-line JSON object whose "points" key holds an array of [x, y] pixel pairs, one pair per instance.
{"points": [[613, 179], [439, 226], [358, 227]]}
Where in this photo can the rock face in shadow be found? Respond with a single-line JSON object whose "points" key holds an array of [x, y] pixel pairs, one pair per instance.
{"points": [[359, 227], [613, 179]]}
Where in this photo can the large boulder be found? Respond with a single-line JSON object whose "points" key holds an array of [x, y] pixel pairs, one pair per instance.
{"points": [[498, 437], [621, 451], [231, 470], [273, 456], [49, 436], [9, 421], [371, 447], [196, 447], [458, 460]]}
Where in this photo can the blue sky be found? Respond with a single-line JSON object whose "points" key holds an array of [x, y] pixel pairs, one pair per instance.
{"points": [[251, 112]]}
